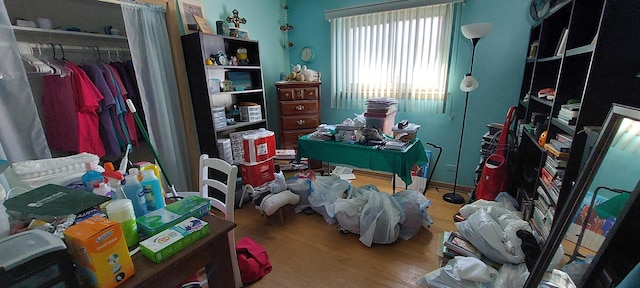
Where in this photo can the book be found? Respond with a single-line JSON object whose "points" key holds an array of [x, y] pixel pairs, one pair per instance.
{"points": [[596, 228], [562, 43], [565, 138], [570, 122], [555, 152], [571, 107], [560, 146], [461, 246], [569, 113], [52, 200], [557, 279]]}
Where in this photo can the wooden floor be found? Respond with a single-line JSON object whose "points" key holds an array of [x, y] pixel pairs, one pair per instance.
{"points": [[308, 252]]}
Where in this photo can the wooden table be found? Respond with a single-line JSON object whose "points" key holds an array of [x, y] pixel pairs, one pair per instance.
{"points": [[211, 252]]}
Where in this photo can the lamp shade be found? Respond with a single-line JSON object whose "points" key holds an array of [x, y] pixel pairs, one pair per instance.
{"points": [[469, 83], [476, 30]]}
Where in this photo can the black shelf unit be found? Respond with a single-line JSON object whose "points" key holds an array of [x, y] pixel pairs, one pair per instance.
{"points": [[598, 68], [197, 48]]}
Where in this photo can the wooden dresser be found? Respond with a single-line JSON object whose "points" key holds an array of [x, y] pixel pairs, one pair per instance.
{"points": [[299, 107]]}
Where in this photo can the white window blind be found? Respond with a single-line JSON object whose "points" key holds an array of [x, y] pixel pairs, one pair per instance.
{"points": [[400, 54]]}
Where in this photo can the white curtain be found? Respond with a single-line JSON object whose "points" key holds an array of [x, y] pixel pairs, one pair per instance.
{"points": [[401, 54], [21, 133], [151, 54]]}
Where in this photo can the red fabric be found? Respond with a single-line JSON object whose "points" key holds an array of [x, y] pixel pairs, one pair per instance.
{"points": [[253, 260], [87, 98]]}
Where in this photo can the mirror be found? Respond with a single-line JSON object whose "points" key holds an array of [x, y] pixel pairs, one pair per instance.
{"points": [[600, 226]]}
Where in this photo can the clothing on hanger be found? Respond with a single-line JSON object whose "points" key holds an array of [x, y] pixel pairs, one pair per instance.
{"points": [[107, 105]]}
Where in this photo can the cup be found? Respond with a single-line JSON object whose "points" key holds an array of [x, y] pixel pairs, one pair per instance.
{"points": [[44, 23], [121, 211]]}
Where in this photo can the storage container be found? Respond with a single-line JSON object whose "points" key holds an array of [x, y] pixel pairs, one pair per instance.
{"points": [[224, 149], [250, 113], [259, 146], [219, 117], [236, 144], [345, 133], [405, 134], [381, 121], [256, 174]]}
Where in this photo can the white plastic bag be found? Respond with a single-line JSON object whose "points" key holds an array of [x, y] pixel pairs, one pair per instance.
{"points": [[492, 230], [379, 219], [460, 272], [511, 276], [324, 192], [414, 212]]}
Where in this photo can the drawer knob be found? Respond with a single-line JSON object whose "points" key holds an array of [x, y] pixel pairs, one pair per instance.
{"points": [[299, 94], [301, 122], [300, 107]]}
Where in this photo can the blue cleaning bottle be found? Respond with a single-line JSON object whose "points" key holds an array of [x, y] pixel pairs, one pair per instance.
{"points": [[133, 189], [152, 190]]}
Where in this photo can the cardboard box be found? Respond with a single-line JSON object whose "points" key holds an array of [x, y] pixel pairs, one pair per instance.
{"points": [[256, 174], [98, 248], [168, 242], [156, 221], [259, 146]]}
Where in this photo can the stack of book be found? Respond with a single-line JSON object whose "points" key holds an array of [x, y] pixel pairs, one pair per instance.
{"points": [[453, 244], [568, 113], [551, 176]]}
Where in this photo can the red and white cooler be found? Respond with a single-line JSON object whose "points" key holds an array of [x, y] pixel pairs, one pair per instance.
{"points": [[256, 174], [259, 146]]}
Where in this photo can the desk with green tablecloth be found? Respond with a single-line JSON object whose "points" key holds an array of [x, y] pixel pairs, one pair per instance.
{"points": [[397, 162]]}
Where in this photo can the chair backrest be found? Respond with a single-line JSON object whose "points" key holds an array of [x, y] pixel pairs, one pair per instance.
{"points": [[228, 188]]}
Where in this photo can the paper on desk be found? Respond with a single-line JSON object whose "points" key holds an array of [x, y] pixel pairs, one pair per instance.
{"points": [[345, 173]]}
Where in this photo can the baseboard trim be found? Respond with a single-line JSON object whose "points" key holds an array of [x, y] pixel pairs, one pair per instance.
{"points": [[432, 184]]}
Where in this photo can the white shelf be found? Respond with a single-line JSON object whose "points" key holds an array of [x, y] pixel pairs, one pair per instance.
{"points": [[66, 33]]}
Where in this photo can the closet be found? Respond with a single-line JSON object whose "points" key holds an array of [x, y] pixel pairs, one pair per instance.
{"points": [[81, 29]]}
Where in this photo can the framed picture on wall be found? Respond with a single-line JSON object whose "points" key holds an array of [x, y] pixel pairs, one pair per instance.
{"points": [[188, 9]]}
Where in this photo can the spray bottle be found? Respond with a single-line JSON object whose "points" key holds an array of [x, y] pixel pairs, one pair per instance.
{"points": [[134, 191]]}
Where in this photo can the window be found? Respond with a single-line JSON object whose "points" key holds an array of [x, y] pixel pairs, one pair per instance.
{"points": [[402, 54]]}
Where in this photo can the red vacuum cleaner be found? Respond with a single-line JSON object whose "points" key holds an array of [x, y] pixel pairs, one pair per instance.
{"points": [[495, 173]]}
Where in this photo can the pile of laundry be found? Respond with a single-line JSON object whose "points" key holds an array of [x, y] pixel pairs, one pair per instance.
{"points": [[377, 217]]}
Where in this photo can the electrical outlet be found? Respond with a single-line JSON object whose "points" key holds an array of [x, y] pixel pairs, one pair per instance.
{"points": [[451, 167]]}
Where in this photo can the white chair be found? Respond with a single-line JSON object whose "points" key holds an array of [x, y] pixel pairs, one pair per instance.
{"points": [[226, 207]]}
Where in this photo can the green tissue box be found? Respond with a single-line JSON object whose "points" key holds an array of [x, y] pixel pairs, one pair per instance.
{"points": [[161, 246], [155, 221]]}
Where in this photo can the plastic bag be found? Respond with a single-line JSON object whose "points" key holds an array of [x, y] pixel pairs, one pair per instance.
{"points": [[462, 272], [414, 212], [279, 184], [301, 187], [511, 276], [379, 222], [324, 192], [493, 232], [349, 211]]}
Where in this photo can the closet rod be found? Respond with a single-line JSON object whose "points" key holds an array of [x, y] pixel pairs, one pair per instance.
{"points": [[78, 48]]}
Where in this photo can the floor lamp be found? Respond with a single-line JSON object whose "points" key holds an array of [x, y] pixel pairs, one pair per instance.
{"points": [[472, 32]]}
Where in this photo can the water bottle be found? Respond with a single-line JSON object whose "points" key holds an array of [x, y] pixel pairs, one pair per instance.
{"points": [[133, 190], [152, 190]]}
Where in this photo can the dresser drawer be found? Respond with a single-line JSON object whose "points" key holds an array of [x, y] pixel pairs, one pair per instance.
{"points": [[289, 94], [290, 138], [298, 107], [299, 122]]}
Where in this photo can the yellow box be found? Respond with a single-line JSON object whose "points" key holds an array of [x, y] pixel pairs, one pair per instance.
{"points": [[98, 248]]}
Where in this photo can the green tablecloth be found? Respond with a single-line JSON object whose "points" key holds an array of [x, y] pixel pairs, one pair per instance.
{"points": [[394, 161]]}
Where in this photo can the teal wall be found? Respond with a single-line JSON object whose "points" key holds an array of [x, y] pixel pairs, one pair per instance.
{"points": [[498, 67]]}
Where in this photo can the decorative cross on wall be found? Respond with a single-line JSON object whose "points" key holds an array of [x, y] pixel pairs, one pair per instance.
{"points": [[236, 20]]}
